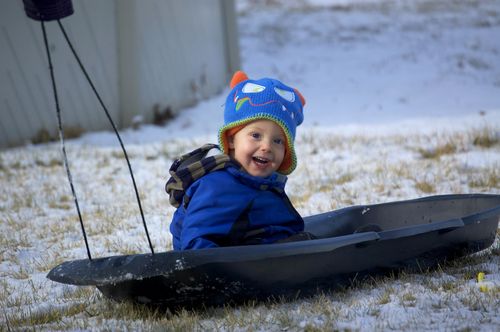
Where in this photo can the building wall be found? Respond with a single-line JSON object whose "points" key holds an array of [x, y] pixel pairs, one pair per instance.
{"points": [[138, 53], [26, 98]]}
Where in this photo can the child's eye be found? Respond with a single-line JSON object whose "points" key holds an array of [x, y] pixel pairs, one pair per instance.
{"points": [[255, 135], [279, 141]]}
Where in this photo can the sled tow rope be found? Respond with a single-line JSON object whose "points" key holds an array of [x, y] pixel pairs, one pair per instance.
{"points": [[61, 134]]}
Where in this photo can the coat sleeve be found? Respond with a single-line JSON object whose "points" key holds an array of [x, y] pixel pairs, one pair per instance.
{"points": [[214, 205]]}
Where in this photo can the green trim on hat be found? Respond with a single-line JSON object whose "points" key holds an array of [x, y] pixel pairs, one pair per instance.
{"points": [[263, 116]]}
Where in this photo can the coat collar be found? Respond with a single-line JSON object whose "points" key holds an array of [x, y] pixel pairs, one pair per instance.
{"points": [[275, 181]]}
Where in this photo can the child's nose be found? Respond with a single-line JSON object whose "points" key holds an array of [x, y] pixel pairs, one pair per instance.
{"points": [[266, 145]]}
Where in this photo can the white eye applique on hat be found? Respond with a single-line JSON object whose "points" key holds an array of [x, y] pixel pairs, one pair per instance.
{"points": [[285, 94], [252, 88]]}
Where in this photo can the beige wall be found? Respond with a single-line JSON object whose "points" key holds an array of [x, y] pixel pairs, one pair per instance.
{"points": [[26, 98], [138, 53]]}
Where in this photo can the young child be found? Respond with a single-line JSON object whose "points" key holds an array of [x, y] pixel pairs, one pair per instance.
{"points": [[238, 197]]}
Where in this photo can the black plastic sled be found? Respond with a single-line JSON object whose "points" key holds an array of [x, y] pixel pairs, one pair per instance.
{"points": [[352, 242]]}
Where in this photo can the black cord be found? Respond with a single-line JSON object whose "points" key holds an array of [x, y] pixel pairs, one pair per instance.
{"points": [[61, 137], [114, 128]]}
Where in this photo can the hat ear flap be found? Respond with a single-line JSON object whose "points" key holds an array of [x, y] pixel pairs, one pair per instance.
{"points": [[238, 77]]}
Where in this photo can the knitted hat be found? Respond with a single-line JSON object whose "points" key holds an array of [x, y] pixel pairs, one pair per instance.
{"points": [[266, 98]]}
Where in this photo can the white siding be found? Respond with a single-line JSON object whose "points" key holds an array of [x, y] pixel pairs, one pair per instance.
{"points": [[138, 53], [172, 53], [26, 98]]}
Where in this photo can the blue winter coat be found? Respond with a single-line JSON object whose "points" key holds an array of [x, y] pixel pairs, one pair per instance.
{"points": [[230, 207]]}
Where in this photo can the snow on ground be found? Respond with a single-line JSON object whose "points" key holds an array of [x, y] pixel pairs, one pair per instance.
{"points": [[403, 101]]}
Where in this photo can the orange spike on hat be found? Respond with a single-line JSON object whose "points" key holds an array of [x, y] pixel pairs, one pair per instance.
{"points": [[302, 99], [238, 77]]}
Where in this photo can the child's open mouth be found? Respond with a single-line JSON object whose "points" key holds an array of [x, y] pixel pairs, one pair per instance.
{"points": [[260, 160]]}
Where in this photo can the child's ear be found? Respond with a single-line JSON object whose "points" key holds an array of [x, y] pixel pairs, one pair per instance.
{"points": [[230, 141]]}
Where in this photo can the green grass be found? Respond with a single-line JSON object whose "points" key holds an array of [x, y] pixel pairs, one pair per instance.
{"points": [[486, 137], [385, 297], [438, 151], [487, 179], [425, 187], [39, 229]]}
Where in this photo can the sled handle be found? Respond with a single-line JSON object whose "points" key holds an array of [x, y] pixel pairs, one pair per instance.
{"points": [[102, 271], [280, 249], [440, 226], [474, 218]]}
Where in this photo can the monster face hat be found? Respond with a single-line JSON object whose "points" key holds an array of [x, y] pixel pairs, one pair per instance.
{"points": [[266, 98]]}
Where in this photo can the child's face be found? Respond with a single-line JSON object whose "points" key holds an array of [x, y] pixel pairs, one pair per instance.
{"points": [[259, 147]]}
